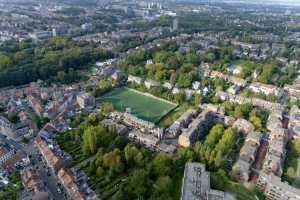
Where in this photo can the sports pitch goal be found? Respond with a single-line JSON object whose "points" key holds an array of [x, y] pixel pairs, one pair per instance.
{"points": [[142, 105]]}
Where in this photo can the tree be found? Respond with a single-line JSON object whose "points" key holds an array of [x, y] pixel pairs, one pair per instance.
{"points": [[238, 112], [92, 168], [219, 161], [179, 97], [186, 155], [96, 136], [61, 76], [99, 171], [139, 159], [130, 153], [256, 121], [163, 185], [227, 141], [5, 62], [89, 141], [162, 164], [295, 145], [37, 121], [107, 107], [185, 80], [291, 172], [197, 99], [214, 135], [138, 183], [13, 117], [120, 194], [112, 159]]}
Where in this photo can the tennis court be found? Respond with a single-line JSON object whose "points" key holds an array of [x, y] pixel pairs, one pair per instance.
{"points": [[142, 105]]}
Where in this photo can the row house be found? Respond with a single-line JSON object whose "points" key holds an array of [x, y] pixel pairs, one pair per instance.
{"points": [[243, 126], [294, 121], [10, 157], [36, 105], [232, 79], [197, 128], [182, 122], [148, 140], [34, 184], [69, 183], [275, 189], [276, 153], [247, 156], [254, 101], [52, 158], [264, 88], [85, 100], [7, 128]]}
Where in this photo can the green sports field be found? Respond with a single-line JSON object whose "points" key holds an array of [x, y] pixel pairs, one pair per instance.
{"points": [[145, 107]]}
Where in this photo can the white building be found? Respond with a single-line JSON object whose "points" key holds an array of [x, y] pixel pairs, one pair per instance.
{"points": [[151, 83], [134, 79], [264, 88]]}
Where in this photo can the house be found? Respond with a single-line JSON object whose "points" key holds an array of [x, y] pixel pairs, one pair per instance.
{"points": [[234, 69], [176, 90], [10, 156], [196, 128], [278, 138], [151, 83], [54, 160], [34, 184], [247, 156], [264, 88], [243, 126], [134, 79], [69, 183], [146, 139], [237, 81], [293, 91], [168, 85], [165, 147], [136, 122], [294, 62], [149, 62], [254, 101], [120, 128], [118, 77], [275, 189], [282, 60], [234, 89], [85, 100], [36, 105], [196, 184], [274, 121], [7, 128], [274, 159], [196, 85], [182, 122], [294, 121], [188, 94]]}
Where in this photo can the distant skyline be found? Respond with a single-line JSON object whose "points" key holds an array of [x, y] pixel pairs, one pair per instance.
{"points": [[269, 2]]}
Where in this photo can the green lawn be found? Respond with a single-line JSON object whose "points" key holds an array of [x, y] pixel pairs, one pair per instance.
{"points": [[143, 106], [167, 120]]}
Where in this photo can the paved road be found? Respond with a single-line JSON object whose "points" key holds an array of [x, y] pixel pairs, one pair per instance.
{"points": [[50, 181]]}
